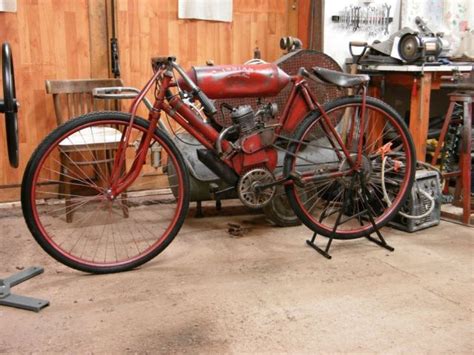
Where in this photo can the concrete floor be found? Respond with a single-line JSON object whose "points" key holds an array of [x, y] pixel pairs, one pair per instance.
{"points": [[264, 292]]}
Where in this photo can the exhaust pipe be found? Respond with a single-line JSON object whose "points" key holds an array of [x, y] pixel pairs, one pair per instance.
{"points": [[217, 166]]}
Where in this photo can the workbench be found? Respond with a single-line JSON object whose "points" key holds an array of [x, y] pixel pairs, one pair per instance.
{"points": [[420, 79]]}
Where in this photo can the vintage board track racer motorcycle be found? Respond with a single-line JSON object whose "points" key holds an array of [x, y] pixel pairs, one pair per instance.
{"points": [[202, 181], [108, 191]]}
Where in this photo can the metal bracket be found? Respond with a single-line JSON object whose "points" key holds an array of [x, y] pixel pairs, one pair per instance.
{"points": [[11, 300]]}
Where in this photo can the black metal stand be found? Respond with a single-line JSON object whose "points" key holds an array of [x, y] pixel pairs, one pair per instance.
{"points": [[9, 299], [368, 212]]}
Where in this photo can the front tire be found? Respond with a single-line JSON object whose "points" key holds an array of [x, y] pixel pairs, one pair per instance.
{"points": [[65, 201]]}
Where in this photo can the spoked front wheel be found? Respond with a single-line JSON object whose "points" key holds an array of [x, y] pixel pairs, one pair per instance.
{"points": [[68, 207], [336, 204]]}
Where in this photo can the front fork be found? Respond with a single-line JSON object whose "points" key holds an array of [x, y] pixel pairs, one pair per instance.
{"points": [[120, 183]]}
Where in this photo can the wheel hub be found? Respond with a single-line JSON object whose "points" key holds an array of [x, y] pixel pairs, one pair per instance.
{"points": [[365, 170], [110, 195]]}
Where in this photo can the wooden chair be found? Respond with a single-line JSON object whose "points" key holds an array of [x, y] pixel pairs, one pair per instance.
{"points": [[73, 98]]}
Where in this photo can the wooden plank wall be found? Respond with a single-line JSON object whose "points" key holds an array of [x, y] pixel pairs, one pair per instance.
{"points": [[58, 39], [149, 28], [50, 40]]}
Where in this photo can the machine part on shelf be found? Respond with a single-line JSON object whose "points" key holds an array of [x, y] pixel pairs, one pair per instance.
{"points": [[9, 299], [379, 52], [427, 183], [290, 44], [414, 47], [448, 156], [9, 105], [248, 188], [423, 46], [409, 47], [404, 46]]}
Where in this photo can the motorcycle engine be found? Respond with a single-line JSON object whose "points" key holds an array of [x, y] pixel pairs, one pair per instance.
{"points": [[246, 121], [243, 119], [249, 134]]}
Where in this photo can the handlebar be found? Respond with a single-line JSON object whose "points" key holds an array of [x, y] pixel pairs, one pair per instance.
{"points": [[119, 93], [207, 104]]}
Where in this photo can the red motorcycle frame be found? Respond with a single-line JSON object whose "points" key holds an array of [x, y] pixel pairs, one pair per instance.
{"points": [[301, 101]]}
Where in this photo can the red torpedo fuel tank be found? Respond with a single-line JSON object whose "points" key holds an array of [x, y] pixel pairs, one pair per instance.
{"points": [[229, 81]]}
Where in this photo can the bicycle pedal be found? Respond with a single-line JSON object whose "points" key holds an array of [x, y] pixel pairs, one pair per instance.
{"points": [[218, 194]]}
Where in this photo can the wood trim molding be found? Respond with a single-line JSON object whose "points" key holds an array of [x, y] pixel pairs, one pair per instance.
{"points": [[293, 8], [316, 25], [99, 41]]}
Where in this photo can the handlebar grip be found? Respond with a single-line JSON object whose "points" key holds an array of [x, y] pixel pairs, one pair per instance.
{"points": [[357, 44], [209, 108], [357, 57]]}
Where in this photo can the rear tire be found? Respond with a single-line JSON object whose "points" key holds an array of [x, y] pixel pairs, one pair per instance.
{"points": [[324, 204], [279, 211]]}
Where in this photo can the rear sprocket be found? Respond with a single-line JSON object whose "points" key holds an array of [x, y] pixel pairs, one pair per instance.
{"points": [[248, 188]]}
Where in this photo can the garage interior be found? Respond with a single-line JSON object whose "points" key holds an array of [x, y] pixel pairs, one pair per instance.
{"points": [[237, 279]]}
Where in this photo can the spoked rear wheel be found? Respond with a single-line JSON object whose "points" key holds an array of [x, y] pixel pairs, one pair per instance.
{"points": [[68, 208], [339, 206]]}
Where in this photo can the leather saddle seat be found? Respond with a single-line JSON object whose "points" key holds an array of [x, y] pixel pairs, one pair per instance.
{"points": [[340, 79]]}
